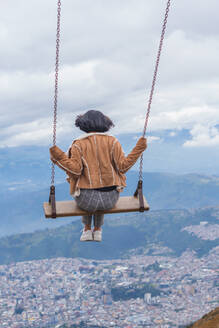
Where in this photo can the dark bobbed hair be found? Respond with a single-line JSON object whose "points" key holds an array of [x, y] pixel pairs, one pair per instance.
{"points": [[93, 121]]}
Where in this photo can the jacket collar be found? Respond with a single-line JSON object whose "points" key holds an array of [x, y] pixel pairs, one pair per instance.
{"points": [[86, 135]]}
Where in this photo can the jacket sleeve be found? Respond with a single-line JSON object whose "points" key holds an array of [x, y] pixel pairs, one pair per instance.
{"points": [[72, 165], [123, 163]]}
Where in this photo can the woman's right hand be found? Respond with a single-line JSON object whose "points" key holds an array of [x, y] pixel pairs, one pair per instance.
{"points": [[142, 141]]}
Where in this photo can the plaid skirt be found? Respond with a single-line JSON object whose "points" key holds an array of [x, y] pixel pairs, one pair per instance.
{"points": [[92, 200]]}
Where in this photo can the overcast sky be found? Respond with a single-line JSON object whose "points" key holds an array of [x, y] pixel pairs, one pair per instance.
{"points": [[107, 57]]}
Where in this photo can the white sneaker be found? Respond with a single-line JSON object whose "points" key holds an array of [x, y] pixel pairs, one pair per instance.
{"points": [[86, 235], [97, 235]]}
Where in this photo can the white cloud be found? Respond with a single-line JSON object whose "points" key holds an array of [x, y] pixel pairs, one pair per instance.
{"points": [[203, 136], [187, 59], [38, 132], [150, 139], [25, 134], [107, 64], [153, 139], [185, 118]]}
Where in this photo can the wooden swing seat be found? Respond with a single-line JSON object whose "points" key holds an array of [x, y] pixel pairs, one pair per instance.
{"points": [[124, 204], [70, 208]]}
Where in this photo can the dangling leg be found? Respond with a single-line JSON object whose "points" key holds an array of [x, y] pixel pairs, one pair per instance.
{"points": [[98, 222], [87, 233], [87, 220]]}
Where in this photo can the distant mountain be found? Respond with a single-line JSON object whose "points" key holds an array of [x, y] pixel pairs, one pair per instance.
{"points": [[21, 210], [210, 320], [121, 235], [23, 168], [29, 167]]}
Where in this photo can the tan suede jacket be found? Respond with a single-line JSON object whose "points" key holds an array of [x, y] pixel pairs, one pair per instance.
{"points": [[96, 160]]}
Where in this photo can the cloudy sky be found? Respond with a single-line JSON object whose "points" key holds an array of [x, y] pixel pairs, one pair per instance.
{"points": [[108, 51]]}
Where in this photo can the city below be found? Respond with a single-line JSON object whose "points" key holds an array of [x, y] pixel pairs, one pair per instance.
{"points": [[149, 288]]}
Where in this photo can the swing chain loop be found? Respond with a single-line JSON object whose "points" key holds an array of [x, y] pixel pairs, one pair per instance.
{"points": [[154, 81], [56, 84]]}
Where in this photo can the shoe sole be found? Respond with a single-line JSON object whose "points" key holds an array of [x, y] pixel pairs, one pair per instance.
{"points": [[97, 239], [87, 240]]}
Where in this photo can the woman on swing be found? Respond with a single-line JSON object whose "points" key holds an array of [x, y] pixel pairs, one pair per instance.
{"points": [[95, 165]]}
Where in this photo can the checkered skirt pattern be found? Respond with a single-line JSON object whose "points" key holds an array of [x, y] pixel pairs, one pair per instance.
{"points": [[92, 200]]}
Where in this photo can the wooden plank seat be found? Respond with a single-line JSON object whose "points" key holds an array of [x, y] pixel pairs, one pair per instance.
{"points": [[70, 208]]}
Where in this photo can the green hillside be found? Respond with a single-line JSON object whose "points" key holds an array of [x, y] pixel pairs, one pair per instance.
{"points": [[121, 235]]}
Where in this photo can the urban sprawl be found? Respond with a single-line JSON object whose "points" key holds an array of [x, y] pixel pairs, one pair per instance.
{"points": [[53, 292]]}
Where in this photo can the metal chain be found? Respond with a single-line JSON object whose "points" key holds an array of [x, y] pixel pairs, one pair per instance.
{"points": [[56, 84], [154, 80], [57, 76]]}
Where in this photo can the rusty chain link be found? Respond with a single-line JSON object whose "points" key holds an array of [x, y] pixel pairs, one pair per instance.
{"points": [[56, 84], [154, 80]]}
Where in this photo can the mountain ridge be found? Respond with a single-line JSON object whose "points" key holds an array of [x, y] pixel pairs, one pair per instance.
{"points": [[21, 211], [209, 320]]}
